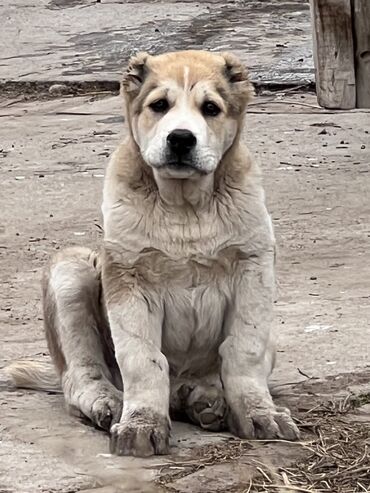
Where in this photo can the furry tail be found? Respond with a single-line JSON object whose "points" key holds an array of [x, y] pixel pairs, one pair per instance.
{"points": [[34, 375]]}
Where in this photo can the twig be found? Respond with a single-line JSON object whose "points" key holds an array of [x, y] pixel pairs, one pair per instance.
{"points": [[285, 101], [287, 384], [284, 487], [304, 374], [362, 487], [275, 440], [249, 487], [264, 474]]}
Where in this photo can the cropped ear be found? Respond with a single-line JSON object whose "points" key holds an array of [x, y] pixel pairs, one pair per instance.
{"points": [[236, 73], [136, 72]]}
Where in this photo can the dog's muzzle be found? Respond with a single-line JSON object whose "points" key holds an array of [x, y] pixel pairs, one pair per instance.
{"points": [[180, 144]]}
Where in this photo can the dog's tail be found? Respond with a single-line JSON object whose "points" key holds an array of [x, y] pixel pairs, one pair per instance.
{"points": [[34, 375]]}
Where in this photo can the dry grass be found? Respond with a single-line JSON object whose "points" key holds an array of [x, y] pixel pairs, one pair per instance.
{"points": [[207, 455], [338, 459]]}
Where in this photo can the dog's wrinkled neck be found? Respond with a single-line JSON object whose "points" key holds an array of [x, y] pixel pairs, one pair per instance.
{"points": [[196, 191]]}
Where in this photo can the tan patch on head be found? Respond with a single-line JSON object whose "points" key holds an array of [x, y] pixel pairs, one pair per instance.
{"points": [[187, 68]]}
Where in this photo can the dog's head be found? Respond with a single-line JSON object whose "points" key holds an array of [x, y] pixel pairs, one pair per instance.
{"points": [[185, 109]]}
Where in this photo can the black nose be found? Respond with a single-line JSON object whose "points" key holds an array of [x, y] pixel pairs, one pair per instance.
{"points": [[181, 141]]}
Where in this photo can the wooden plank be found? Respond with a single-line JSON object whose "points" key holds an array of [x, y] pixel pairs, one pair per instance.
{"points": [[333, 53], [361, 23]]}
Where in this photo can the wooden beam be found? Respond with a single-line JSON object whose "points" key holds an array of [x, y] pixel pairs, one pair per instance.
{"points": [[361, 25], [333, 53]]}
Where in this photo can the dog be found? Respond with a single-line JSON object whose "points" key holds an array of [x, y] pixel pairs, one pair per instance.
{"points": [[173, 315]]}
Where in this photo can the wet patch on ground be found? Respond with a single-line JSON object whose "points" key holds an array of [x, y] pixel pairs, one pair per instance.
{"points": [[245, 27]]}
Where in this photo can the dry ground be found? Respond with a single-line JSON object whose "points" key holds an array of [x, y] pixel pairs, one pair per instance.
{"points": [[316, 168]]}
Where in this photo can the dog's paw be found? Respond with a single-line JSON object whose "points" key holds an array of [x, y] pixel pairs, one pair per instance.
{"points": [[142, 434], [264, 424], [206, 407], [106, 410], [101, 403]]}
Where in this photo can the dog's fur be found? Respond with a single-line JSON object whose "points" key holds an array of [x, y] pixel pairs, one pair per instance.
{"points": [[178, 305]]}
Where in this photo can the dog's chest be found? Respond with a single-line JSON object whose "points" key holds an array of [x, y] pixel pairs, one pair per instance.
{"points": [[189, 268], [195, 301], [193, 281], [192, 326]]}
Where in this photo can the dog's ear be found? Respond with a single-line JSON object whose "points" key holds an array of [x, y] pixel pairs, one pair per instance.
{"points": [[135, 73], [236, 73]]}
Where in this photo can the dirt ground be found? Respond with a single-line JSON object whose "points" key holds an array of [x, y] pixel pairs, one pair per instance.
{"points": [[316, 173], [316, 166]]}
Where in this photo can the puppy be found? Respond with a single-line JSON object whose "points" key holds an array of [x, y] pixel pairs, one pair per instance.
{"points": [[175, 312]]}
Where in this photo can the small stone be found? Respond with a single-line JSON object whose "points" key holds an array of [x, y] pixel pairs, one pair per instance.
{"points": [[58, 89]]}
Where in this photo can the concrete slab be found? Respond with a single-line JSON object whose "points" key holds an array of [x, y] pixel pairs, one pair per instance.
{"points": [[85, 40]]}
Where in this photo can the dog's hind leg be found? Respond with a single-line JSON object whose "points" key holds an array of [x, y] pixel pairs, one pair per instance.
{"points": [[201, 400], [79, 338]]}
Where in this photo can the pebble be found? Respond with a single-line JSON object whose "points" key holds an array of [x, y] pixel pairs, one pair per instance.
{"points": [[58, 89]]}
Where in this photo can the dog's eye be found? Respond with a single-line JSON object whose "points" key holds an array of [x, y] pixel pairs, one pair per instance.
{"points": [[159, 106], [210, 109]]}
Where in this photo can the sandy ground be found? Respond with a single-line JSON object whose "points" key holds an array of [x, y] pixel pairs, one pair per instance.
{"points": [[53, 153]]}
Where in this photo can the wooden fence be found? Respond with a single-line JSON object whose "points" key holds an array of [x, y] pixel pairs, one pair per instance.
{"points": [[341, 36]]}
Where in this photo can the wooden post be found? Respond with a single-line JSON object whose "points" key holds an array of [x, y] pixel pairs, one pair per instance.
{"points": [[334, 53], [361, 27]]}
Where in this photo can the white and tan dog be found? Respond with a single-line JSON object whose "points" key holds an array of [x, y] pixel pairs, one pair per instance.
{"points": [[178, 305]]}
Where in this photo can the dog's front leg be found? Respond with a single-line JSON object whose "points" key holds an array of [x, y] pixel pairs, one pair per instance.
{"points": [[136, 326], [247, 355]]}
